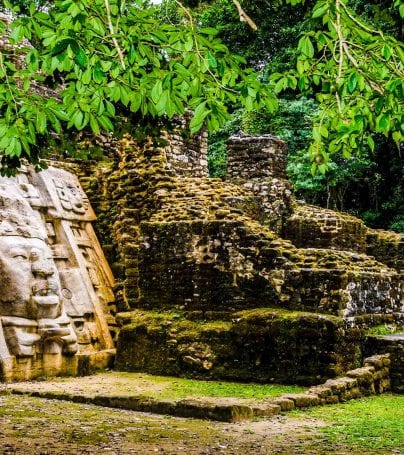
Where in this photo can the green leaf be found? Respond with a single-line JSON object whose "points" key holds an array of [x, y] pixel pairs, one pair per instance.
{"points": [[387, 51], [397, 138], [81, 58], [383, 123], [212, 61], [320, 9], [94, 125], [371, 143], [86, 78], [61, 46], [352, 81], [124, 95], [98, 75], [156, 91], [40, 121], [324, 131], [209, 31], [162, 103], [136, 101], [199, 117], [305, 46], [105, 123], [77, 119]]}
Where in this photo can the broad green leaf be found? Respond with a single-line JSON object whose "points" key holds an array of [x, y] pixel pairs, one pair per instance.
{"points": [[320, 9], [94, 125], [41, 121], [352, 81], [305, 46], [77, 119], [136, 100], [81, 58], [156, 91], [371, 143]]}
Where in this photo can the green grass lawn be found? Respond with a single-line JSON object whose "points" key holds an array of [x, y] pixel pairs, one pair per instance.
{"points": [[173, 387], [187, 387], [374, 424]]}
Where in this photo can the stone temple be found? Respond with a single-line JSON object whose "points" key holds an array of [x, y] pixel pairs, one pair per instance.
{"points": [[213, 279], [235, 279]]}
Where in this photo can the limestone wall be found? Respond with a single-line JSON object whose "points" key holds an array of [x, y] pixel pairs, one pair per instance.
{"points": [[211, 288], [393, 345], [260, 157], [258, 164], [186, 155], [315, 227]]}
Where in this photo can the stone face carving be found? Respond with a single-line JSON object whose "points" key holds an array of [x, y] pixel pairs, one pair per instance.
{"points": [[55, 284]]}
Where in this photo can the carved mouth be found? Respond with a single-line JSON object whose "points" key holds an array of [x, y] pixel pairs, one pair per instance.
{"points": [[44, 292], [45, 289], [48, 299]]}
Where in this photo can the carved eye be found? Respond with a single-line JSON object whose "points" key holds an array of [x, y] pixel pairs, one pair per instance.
{"points": [[20, 254]]}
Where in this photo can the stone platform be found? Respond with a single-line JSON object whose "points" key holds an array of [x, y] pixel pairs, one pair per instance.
{"points": [[133, 392], [233, 279]]}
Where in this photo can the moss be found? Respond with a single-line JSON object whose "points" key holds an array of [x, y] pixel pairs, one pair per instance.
{"points": [[370, 425], [279, 313], [384, 329]]}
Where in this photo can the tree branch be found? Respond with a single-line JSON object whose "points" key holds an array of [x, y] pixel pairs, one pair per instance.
{"points": [[111, 30], [243, 16]]}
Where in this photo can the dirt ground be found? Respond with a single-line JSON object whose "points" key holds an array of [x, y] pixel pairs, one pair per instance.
{"points": [[35, 426]]}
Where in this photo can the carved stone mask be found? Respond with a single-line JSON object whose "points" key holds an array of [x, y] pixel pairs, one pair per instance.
{"points": [[30, 286], [30, 282]]}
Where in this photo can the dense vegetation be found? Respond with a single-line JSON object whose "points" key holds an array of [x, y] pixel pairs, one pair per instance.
{"points": [[337, 66], [366, 181]]}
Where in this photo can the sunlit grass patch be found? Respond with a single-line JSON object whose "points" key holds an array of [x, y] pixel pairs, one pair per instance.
{"points": [[372, 423]]}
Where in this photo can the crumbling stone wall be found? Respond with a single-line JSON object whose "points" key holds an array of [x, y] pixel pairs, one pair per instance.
{"points": [[393, 345], [314, 227], [210, 289], [258, 164], [186, 155]]}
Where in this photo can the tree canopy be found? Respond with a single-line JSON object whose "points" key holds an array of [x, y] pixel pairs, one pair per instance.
{"points": [[106, 58]]}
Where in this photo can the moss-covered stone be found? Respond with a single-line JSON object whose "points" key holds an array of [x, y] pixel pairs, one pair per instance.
{"points": [[266, 345], [213, 288], [315, 227]]}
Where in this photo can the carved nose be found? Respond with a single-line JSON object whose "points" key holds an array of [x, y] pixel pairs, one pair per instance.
{"points": [[42, 269]]}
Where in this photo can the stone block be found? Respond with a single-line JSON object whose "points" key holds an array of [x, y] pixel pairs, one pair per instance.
{"points": [[266, 410], [321, 390], [332, 399], [363, 375], [303, 400], [285, 403]]}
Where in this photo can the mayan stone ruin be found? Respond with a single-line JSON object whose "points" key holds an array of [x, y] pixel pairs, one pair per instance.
{"points": [[201, 277], [56, 289], [235, 279]]}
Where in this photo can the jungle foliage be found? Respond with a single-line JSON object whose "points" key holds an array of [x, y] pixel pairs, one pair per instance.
{"points": [[366, 180], [104, 59], [337, 65]]}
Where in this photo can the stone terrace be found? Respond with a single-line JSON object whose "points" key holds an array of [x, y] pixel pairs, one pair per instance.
{"points": [[207, 286]]}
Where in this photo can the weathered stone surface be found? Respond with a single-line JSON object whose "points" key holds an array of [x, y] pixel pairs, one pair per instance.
{"points": [[303, 400], [315, 227], [393, 346], [203, 250], [284, 403], [263, 345], [56, 285]]}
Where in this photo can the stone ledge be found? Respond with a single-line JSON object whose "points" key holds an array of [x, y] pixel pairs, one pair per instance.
{"points": [[356, 384]]}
